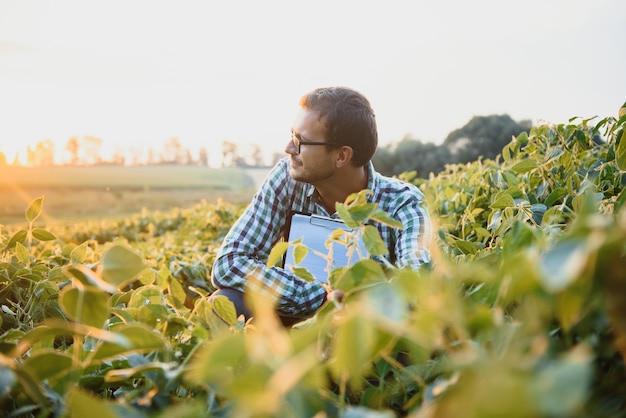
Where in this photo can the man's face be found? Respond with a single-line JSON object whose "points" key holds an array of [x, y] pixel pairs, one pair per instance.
{"points": [[315, 163]]}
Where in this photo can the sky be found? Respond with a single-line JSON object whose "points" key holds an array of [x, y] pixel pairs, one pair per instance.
{"points": [[136, 73]]}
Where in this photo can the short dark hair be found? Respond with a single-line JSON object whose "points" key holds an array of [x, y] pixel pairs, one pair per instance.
{"points": [[348, 118]]}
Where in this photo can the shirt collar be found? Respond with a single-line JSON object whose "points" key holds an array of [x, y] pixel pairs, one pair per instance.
{"points": [[372, 181]]}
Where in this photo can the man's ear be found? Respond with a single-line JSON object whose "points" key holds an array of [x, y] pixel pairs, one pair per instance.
{"points": [[344, 157]]}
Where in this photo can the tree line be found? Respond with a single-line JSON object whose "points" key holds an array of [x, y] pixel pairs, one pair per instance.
{"points": [[87, 151], [482, 136]]}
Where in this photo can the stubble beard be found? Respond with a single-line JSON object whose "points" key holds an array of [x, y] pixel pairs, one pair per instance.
{"points": [[298, 173]]}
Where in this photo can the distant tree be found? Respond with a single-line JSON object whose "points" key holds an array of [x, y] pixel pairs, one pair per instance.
{"points": [[203, 157], [240, 161], [73, 148], [42, 155], [256, 156], [433, 159], [188, 159], [84, 151], [384, 160], [118, 158], [92, 150], [152, 157], [230, 154], [411, 155], [3, 159], [483, 136], [16, 160], [173, 152]]}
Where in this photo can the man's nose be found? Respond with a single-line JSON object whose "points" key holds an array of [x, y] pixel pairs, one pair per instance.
{"points": [[290, 148]]}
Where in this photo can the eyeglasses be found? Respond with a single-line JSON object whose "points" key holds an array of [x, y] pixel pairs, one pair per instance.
{"points": [[298, 141]]}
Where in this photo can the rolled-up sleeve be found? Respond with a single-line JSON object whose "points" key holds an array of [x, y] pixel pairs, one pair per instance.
{"points": [[413, 239]]}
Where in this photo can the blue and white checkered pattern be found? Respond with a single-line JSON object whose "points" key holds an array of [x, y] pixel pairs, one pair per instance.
{"points": [[247, 245]]}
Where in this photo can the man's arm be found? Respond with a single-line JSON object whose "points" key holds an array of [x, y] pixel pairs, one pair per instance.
{"points": [[241, 261], [412, 240]]}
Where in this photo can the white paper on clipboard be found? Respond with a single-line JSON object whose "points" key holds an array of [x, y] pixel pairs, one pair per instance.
{"points": [[314, 231]]}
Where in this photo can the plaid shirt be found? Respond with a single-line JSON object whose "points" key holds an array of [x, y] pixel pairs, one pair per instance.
{"points": [[247, 245]]}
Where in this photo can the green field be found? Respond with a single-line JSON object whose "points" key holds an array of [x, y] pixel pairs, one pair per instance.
{"points": [[80, 193], [521, 313]]}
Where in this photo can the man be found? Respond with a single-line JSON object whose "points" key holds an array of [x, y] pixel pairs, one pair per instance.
{"points": [[332, 142]]}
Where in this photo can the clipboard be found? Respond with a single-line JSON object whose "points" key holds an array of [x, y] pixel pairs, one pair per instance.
{"points": [[314, 231]]}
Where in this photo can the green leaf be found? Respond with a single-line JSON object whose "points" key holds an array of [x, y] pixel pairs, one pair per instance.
{"points": [[619, 202], [120, 375], [569, 307], [561, 387], [147, 277], [354, 349], [87, 306], [80, 404], [20, 236], [43, 235], [383, 217], [520, 237], [503, 200], [21, 252], [338, 235], [151, 314], [137, 338], [525, 166], [276, 254], [34, 210], [219, 361], [555, 196], [538, 210], [168, 283], [586, 203], [225, 309], [7, 380], [554, 153], [358, 199], [507, 152], [32, 387], [362, 273], [362, 212], [87, 277], [374, 244], [345, 215], [51, 328], [303, 273], [482, 232], [467, 247], [299, 252], [49, 364], [145, 295], [78, 254], [176, 290], [386, 301], [123, 313], [121, 265], [562, 264], [620, 152]]}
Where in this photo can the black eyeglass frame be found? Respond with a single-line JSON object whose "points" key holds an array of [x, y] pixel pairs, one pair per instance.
{"points": [[298, 140]]}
